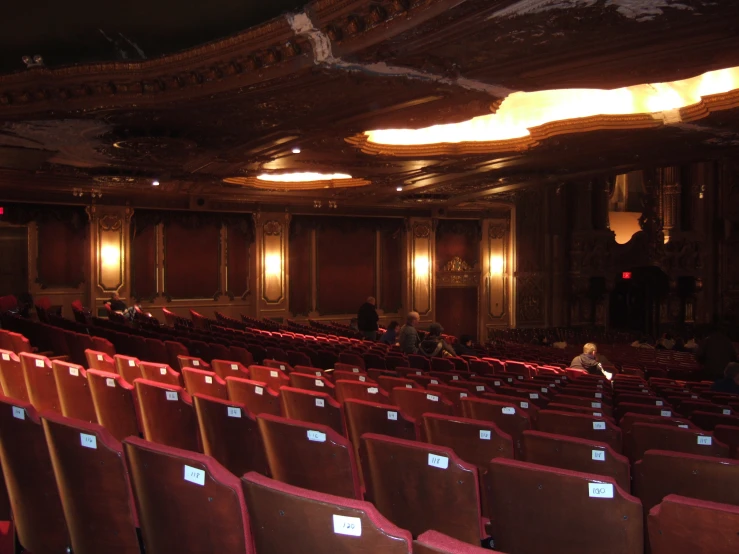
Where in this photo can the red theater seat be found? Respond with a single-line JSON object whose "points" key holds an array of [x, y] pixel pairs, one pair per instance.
{"points": [[255, 395], [326, 459], [535, 509], [127, 367], [310, 381], [277, 364], [356, 390], [191, 361], [275, 378], [167, 415], [12, 381], [585, 456], [199, 381], [281, 514], [99, 360], [581, 426], [188, 503], [645, 436], [660, 473], [507, 416], [29, 476], [230, 434], [40, 382], [73, 389], [420, 486], [682, 525], [227, 368], [161, 373], [476, 442], [312, 407], [93, 483], [115, 403], [415, 402], [729, 435], [389, 383]]}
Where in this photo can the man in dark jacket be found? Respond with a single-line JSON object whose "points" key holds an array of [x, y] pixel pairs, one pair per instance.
{"points": [[367, 319], [730, 383], [588, 361]]}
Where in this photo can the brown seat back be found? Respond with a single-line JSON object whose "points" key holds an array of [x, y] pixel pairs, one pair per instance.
{"points": [[161, 373], [275, 378], [255, 395], [192, 361], [12, 382], [416, 402], [476, 442], [230, 434], [310, 381], [93, 483], [586, 456], [29, 475], [312, 407], [115, 404], [75, 398], [207, 383], [507, 416], [581, 426], [356, 390], [310, 456], [538, 509], [682, 525], [127, 367], [281, 512], [645, 436], [167, 415], [660, 473], [40, 382], [419, 486], [188, 503], [433, 542], [228, 368], [99, 360]]}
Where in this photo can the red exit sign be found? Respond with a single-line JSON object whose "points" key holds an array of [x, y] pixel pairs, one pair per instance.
{"points": [[626, 275]]}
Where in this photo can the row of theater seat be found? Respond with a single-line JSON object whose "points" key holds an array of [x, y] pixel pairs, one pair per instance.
{"points": [[148, 392]]}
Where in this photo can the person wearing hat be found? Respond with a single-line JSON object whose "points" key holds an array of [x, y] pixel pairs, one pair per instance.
{"points": [[433, 345]]}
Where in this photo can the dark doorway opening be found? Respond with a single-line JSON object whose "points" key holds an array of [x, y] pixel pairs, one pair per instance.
{"points": [[635, 301]]}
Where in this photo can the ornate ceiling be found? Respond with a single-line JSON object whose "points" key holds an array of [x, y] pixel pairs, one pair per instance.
{"points": [[206, 119]]}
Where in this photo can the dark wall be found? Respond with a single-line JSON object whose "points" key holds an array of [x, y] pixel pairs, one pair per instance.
{"points": [[191, 261], [144, 264], [346, 267], [300, 272], [61, 253], [392, 264], [457, 238], [239, 258], [456, 310], [14, 256]]}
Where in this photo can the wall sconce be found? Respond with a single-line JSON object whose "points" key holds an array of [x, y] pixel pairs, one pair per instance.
{"points": [[110, 255], [422, 266], [497, 264], [272, 265]]}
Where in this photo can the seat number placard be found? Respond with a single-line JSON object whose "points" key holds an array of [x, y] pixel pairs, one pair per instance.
{"points": [[316, 436], [344, 525], [195, 475], [600, 490], [88, 441], [442, 462]]}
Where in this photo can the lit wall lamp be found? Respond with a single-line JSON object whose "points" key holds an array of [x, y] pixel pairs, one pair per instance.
{"points": [[497, 265], [498, 231], [422, 266], [273, 262], [110, 253], [272, 265]]}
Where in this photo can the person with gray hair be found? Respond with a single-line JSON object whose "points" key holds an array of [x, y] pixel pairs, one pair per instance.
{"points": [[408, 338], [588, 361]]}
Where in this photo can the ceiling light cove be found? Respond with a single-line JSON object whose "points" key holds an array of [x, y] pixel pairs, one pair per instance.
{"points": [[525, 118], [298, 181]]}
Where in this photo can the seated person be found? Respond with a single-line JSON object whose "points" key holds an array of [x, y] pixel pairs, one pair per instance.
{"points": [[588, 361], [116, 304], [730, 383], [433, 346], [389, 336], [465, 346]]}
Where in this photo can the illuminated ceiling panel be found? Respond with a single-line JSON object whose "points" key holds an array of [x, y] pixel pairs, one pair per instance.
{"points": [[524, 118], [298, 181]]}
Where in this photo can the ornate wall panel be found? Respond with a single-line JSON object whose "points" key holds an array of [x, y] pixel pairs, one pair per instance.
{"points": [[422, 263], [272, 260], [192, 261]]}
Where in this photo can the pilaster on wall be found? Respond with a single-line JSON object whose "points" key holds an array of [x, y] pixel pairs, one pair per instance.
{"points": [[498, 252], [272, 265], [421, 248], [110, 270]]}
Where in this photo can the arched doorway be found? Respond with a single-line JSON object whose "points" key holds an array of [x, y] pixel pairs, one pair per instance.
{"points": [[636, 298]]}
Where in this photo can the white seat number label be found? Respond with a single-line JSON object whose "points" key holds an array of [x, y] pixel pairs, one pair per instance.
{"points": [[259, 390], [432, 398], [392, 416], [195, 475], [88, 441], [455, 377], [463, 395], [235, 367], [596, 405], [362, 378], [442, 462], [496, 383], [273, 374], [434, 382], [320, 403], [508, 411], [209, 379], [131, 363], [534, 395], [705, 441], [373, 390], [282, 367], [600, 490], [480, 388], [666, 413], [74, 372], [484, 435], [195, 363], [163, 370], [39, 363], [6, 357], [726, 412], [599, 455], [598, 395], [355, 369], [19, 413], [319, 383], [599, 425], [525, 405], [110, 382], [316, 436], [233, 412], [351, 526], [171, 395], [100, 357], [659, 403], [544, 389]]}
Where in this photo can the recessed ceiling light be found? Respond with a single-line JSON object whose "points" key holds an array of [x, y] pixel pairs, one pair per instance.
{"points": [[155, 183], [296, 150], [302, 177], [399, 189]]}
